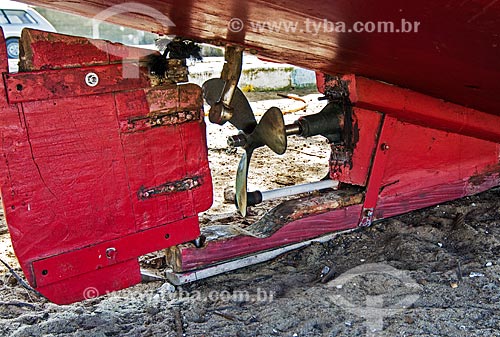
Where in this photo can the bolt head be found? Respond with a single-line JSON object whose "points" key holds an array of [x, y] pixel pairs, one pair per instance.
{"points": [[111, 253], [91, 79]]}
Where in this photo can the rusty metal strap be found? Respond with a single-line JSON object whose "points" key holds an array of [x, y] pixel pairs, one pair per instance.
{"points": [[142, 123], [185, 184]]}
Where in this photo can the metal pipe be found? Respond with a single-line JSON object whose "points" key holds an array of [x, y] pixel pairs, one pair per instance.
{"points": [[240, 140], [293, 129], [256, 197]]}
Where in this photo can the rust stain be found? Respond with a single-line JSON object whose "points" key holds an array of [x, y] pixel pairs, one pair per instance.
{"points": [[185, 184], [481, 178], [143, 123]]}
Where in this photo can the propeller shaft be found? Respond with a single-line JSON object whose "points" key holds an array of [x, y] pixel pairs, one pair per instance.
{"points": [[328, 123], [240, 140]]}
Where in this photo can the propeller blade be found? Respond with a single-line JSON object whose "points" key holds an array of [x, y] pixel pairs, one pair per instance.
{"points": [[270, 131], [243, 117], [241, 182], [212, 90]]}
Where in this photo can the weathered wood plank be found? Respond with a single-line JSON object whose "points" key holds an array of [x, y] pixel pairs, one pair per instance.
{"points": [[195, 275], [187, 257], [37, 51], [63, 83], [296, 209]]}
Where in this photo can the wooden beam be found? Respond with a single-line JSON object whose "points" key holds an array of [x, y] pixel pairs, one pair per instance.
{"points": [[195, 275], [187, 257]]}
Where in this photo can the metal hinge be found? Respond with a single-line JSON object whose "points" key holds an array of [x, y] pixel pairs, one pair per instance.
{"points": [[135, 124], [185, 184]]}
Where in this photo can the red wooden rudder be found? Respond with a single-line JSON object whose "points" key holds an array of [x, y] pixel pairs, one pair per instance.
{"points": [[97, 168]]}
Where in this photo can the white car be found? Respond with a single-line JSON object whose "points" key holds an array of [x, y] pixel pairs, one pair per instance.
{"points": [[15, 16]]}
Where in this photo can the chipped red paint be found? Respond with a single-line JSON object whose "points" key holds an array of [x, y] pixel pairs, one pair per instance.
{"points": [[143, 123], [85, 52], [185, 184], [367, 125]]}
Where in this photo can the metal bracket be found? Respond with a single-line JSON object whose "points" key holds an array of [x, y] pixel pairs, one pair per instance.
{"points": [[366, 217], [377, 171], [222, 111], [135, 124], [185, 184]]}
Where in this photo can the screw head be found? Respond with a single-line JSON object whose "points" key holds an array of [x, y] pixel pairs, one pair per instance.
{"points": [[111, 253], [91, 79]]}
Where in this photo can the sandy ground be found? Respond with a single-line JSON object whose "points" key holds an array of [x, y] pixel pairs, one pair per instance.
{"points": [[434, 272]]}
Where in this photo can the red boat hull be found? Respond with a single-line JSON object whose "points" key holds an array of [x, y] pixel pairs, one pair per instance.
{"points": [[455, 55], [74, 186]]}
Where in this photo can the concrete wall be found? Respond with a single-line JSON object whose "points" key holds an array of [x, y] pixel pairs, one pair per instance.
{"points": [[256, 75]]}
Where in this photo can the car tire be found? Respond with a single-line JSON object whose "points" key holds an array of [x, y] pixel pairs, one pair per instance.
{"points": [[12, 45]]}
